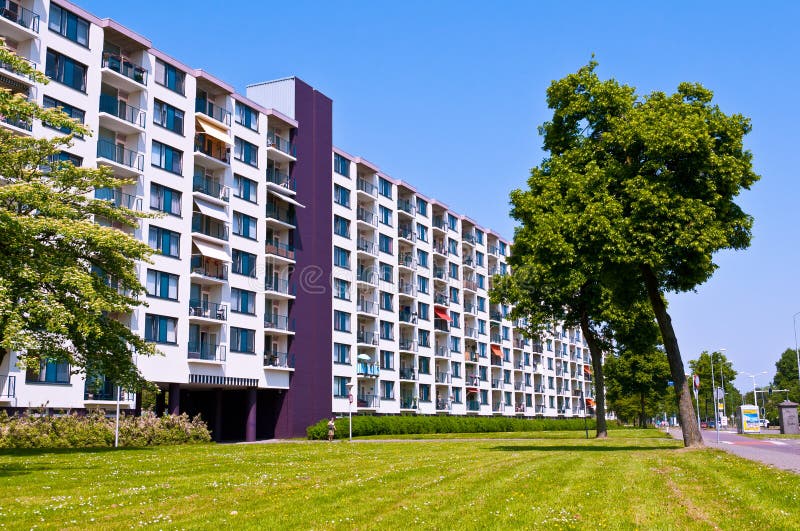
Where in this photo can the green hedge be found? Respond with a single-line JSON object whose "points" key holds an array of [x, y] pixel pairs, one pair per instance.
{"points": [[396, 425], [96, 430]]}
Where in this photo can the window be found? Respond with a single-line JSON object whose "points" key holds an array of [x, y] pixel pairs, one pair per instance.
{"points": [[482, 350], [245, 188], [423, 311], [481, 280], [424, 365], [484, 397], [455, 368], [166, 241], [422, 207], [385, 243], [454, 295], [69, 110], [243, 340], [341, 321], [387, 390], [482, 373], [482, 326], [481, 304], [167, 158], [165, 199], [384, 187], [479, 258], [160, 329], [246, 116], [422, 258], [550, 382], [386, 301], [387, 272], [452, 246], [385, 215], [245, 152], [341, 165], [243, 263], [341, 289], [341, 226], [243, 301], [341, 353], [340, 386], [422, 232], [424, 338], [341, 195], [69, 25], [422, 284], [503, 247], [162, 285], [479, 237], [455, 344], [452, 222], [65, 70], [387, 330], [456, 395], [506, 354], [455, 318], [56, 372], [245, 226], [387, 360], [503, 268], [341, 257], [454, 271], [168, 116], [170, 77]]}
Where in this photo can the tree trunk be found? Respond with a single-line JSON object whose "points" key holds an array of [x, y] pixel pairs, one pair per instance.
{"points": [[691, 430], [642, 418], [599, 382]]}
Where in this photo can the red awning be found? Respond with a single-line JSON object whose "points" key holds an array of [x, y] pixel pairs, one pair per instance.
{"points": [[590, 402], [442, 314], [587, 370], [497, 350]]}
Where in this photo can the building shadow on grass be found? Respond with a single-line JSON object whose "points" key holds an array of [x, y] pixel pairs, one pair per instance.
{"points": [[580, 448], [13, 468]]}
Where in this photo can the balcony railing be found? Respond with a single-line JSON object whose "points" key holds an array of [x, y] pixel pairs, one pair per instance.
{"points": [[206, 352], [407, 260], [408, 344], [16, 13], [280, 249], [473, 405], [407, 373], [471, 355], [406, 232], [470, 285], [498, 407], [210, 187], [123, 66], [441, 299], [468, 261], [284, 215], [495, 338], [368, 369], [369, 401], [408, 402], [367, 246], [281, 144], [367, 275], [442, 404], [212, 147], [406, 288], [278, 322], [367, 216], [442, 377], [439, 273], [210, 226], [120, 155], [471, 332], [102, 389], [17, 122], [365, 306], [119, 198], [215, 111], [441, 325], [497, 361], [442, 351], [209, 310], [275, 358], [438, 223], [122, 110], [208, 267], [280, 178], [405, 205], [367, 187], [8, 386], [440, 248], [278, 285], [469, 237], [367, 338]]}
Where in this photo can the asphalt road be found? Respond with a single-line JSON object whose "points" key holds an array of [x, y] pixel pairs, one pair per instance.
{"points": [[780, 453]]}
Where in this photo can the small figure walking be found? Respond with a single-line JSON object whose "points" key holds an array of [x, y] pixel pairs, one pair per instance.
{"points": [[331, 429]]}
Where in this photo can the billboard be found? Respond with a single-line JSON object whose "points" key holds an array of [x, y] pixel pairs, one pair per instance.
{"points": [[749, 416]]}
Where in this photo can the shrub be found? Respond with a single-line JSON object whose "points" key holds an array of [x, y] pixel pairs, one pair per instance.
{"points": [[95, 430], [412, 424]]}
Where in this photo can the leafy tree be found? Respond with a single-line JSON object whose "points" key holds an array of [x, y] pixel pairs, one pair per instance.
{"points": [[723, 371], [65, 280], [786, 376], [637, 383], [651, 182]]}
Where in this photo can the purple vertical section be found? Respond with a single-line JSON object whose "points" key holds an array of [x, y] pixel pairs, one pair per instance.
{"points": [[174, 399], [250, 423], [309, 396]]}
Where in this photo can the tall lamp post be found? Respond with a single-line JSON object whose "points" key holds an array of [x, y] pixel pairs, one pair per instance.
{"points": [[755, 396], [714, 397], [349, 386], [796, 352]]}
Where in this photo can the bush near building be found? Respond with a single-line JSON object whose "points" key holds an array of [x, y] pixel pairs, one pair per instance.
{"points": [[95, 430], [364, 425]]}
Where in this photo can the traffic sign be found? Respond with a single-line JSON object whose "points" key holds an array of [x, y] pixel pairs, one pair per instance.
{"points": [[696, 380]]}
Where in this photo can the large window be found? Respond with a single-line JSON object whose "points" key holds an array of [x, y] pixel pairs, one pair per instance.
{"points": [[341, 195], [160, 329], [340, 386], [245, 226], [168, 116], [245, 188], [422, 207], [69, 110], [341, 353], [243, 340], [341, 321], [243, 301], [167, 158], [245, 152], [384, 187], [65, 70], [246, 116], [69, 25], [341, 226], [162, 285], [341, 289], [387, 330], [55, 372], [385, 215], [422, 232], [243, 263], [422, 258], [341, 165], [385, 243], [341, 257], [170, 77], [166, 241], [165, 199]]}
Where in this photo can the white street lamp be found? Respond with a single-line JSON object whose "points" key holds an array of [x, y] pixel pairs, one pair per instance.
{"points": [[796, 352], [755, 396], [349, 386]]}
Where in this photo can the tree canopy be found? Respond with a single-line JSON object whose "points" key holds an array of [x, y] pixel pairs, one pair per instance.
{"points": [[723, 372], [66, 281], [638, 384]]}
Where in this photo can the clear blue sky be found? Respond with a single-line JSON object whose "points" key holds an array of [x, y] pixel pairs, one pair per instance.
{"points": [[447, 96]]}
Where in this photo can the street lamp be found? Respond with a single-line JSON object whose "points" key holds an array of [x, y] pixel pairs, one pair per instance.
{"points": [[796, 352], [349, 386], [755, 396], [722, 376]]}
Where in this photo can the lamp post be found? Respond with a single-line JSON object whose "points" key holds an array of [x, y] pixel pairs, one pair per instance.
{"points": [[349, 386], [714, 397], [796, 352], [722, 377], [755, 396]]}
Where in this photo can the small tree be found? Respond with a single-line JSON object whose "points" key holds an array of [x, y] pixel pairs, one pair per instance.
{"points": [[64, 279], [640, 377]]}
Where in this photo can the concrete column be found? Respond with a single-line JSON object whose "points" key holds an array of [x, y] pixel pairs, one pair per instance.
{"points": [[218, 417], [174, 399], [160, 403], [250, 426], [137, 408]]}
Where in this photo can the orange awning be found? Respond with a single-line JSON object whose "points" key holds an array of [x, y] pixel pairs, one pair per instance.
{"points": [[587, 370], [590, 402], [497, 350], [442, 314]]}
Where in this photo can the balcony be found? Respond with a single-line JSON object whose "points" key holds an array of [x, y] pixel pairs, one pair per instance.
{"points": [[496, 361], [279, 148], [442, 351], [442, 377], [366, 216], [368, 369], [207, 310], [208, 268], [17, 124], [368, 276], [22, 24], [278, 322], [8, 387], [368, 307], [471, 356], [281, 216], [470, 332], [406, 288], [98, 389], [496, 338], [439, 248], [279, 286], [406, 206], [274, 359], [206, 352], [126, 75], [407, 344], [367, 338], [214, 111], [366, 187], [407, 260], [407, 373], [441, 325], [498, 407], [124, 118], [406, 232], [210, 187], [366, 246], [280, 250], [209, 226], [130, 163], [439, 224], [119, 198], [473, 405], [519, 386], [470, 285], [280, 179], [442, 404], [469, 262], [469, 238], [212, 148], [369, 401], [408, 402], [540, 409], [440, 299]]}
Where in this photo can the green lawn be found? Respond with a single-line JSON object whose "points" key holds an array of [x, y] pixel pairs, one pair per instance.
{"points": [[638, 480]]}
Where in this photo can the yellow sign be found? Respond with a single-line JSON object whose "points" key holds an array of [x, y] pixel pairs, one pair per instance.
{"points": [[749, 415]]}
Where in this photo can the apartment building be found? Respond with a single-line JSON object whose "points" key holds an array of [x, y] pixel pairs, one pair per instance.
{"points": [[289, 275]]}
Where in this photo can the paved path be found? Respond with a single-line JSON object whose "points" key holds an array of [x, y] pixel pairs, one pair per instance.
{"points": [[780, 453]]}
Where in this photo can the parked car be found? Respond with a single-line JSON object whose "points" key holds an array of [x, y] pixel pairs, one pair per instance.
{"points": [[711, 424], [704, 424]]}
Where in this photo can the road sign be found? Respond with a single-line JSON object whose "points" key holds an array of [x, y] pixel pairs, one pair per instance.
{"points": [[696, 380]]}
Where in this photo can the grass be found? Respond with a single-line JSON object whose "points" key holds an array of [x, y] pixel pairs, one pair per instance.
{"points": [[631, 480]]}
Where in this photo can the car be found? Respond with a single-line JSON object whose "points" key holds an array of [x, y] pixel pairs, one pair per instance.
{"points": [[704, 424], [711, 424]]}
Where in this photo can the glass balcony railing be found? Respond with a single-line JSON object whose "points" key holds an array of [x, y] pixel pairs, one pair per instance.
{"points": [[284, 215], [206, 351], [370, 401], [208, 267], [367, 338], [118, 198], [275, 358], [212, 147], [408, 344], [215, 111], [368, 369], [210, 187], [210, 226], [367, 275], [406, 288], [280, 249], [208, 310], [278, 285], [280, 178], [281, 144], [406, 232], [408, 402], [367, 246], [367, 216], [278, 322], [16, 13], [8, 386], [17, 122], [473, 405], [369, 307], [98, 388], [121, 109], [442, 377], [367, 187], [119, 154], [438, 223], [405, 205], [407, 373], [125, 67], [407, 260]]}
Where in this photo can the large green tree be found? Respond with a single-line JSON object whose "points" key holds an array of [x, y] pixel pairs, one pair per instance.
{"points": [[637, 381], [723, 372], [65, 280], [651, 181], [786, 376]]}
